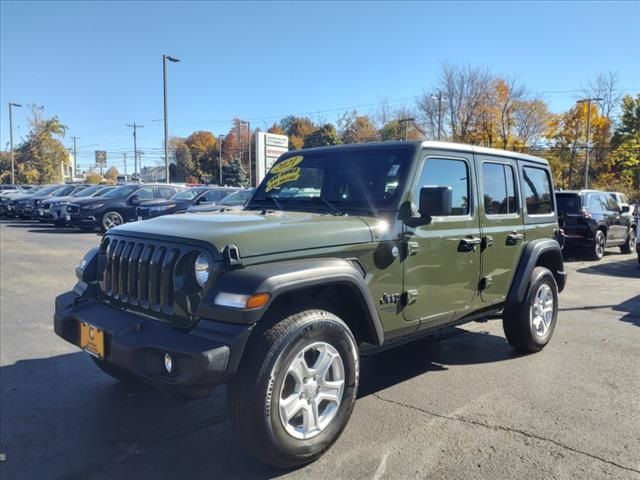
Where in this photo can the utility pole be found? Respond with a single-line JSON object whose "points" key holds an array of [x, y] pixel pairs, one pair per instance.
{"points": [[586, 161], [75, 157], [13, 168], [166, 120], [135, 146], [125, 164], [220, 137]]}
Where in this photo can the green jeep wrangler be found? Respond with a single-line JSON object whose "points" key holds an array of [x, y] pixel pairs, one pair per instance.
{"points": [[342, 251]]}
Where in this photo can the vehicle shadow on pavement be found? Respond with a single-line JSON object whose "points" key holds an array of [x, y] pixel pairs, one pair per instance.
{"points": [[63, 230], [96, 427], [623, 268], [631, 307], [454, 346]]}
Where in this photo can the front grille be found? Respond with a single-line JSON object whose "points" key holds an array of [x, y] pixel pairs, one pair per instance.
{"points": [[73, 209], [141, 274]]}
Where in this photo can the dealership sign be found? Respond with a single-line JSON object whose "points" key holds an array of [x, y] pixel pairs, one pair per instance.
{"points": [[269, 147]]}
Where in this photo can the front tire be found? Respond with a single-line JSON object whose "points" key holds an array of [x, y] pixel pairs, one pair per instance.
{"points": [[630, 244], [296, 388], [529, 325], [598, 246], [109, 220]]}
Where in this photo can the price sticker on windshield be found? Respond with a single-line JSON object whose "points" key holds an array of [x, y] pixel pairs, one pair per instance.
{"points": [[280, 179], [287, 164]]}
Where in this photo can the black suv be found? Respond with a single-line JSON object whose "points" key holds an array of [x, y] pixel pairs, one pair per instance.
{"points": [[593, 221], [22, 205], [115, 207], [182, 201]]}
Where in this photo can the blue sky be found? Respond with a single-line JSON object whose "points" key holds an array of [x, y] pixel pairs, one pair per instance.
{"points": [[98, 66]]}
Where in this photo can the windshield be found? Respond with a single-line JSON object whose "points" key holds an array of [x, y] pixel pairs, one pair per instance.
{"points": [[357, 179], [121, 192], [237, 198], [569, 202], [64, 191], [87, 192], [47, 190], [102, 191], [188, 194]]}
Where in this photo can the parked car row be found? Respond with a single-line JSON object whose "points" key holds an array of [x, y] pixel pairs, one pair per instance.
{"points": [[88, 207], [593, 221]]}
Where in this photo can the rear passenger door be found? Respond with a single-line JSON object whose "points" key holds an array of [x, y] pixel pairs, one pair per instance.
{"points": [[501, 224]]}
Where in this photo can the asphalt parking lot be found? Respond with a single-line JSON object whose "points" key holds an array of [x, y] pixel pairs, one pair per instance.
{"points": [[465, 406]]}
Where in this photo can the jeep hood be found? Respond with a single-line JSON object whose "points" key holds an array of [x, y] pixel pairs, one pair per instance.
{"points": [[255, 233]]}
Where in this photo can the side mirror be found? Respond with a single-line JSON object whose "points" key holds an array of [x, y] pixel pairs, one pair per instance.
{"points": [[134, 200], [625, 209], [435, 201]]}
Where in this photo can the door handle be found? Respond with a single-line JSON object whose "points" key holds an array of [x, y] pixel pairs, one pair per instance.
{"points": [[468, 244], [514, 238]]}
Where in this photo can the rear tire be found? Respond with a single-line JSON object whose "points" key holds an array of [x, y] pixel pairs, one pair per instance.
{"points": [[630, 244], [281, 368], [529, 325], [597, 248]]}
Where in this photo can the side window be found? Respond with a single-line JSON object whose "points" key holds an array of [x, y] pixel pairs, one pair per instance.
{"points": [[145, 193], [611, 203], [448, 173], [537, 191], [594, 204], [165, 192], [498, 189]]}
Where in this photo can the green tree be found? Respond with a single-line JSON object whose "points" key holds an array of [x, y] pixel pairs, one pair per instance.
{"points": [[323, 136], [629, 121], [234, 174], [203, 147], [184, 166], [41, 157]]}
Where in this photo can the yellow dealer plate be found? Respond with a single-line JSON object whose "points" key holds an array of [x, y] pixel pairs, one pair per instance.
{"points": [[92, 340]]}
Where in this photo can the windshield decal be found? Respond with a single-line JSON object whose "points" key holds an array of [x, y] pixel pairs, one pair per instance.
{"points": [[287, 164], [287, 176]]}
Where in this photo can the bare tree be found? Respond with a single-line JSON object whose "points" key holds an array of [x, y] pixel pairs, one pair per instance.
{"points": [[605, 86], [531, 120]]}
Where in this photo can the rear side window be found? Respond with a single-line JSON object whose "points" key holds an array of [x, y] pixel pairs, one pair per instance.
{"points": [[498, 188], [568, 203], [145, 193], [166, 192], [214, 195], [537, 191], [448, 173]]}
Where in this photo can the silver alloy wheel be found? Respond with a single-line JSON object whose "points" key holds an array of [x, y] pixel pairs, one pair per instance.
{"points": [[632, 239], [600, 243], [541, 310], [111, 219], [311, 390]]}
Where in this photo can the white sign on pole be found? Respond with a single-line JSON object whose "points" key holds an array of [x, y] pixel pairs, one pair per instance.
{"points": [[269, 147]]}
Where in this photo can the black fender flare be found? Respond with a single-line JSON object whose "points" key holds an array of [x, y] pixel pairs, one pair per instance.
{"points": [[533, 251], [289, 276]]}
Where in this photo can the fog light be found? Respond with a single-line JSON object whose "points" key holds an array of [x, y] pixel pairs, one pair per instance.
{"points": [[168, 363]]}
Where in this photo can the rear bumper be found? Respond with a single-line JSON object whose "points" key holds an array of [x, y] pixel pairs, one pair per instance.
{"points": [[206, 356]]}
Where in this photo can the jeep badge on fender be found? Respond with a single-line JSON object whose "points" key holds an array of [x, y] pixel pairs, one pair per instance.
{"points": [[341, 250]]}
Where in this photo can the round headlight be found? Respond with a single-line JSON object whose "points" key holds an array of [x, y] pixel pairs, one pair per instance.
{"points": [[201, 268]]}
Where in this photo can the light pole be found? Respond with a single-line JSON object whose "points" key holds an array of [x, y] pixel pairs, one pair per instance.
{"points": [[13, 169], [248, 124], [166, 120], [220, 137], [439, 98], [586, 161], [406, 126]]}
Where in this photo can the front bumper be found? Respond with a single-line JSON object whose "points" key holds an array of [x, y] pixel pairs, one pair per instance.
{"points": [[204, 357]]}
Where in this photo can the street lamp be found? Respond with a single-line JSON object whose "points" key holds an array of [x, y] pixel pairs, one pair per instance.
{"points": [[586, 160], [439, 99], [248, 124], [220, 137], [166, 120], [13, 170]]}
